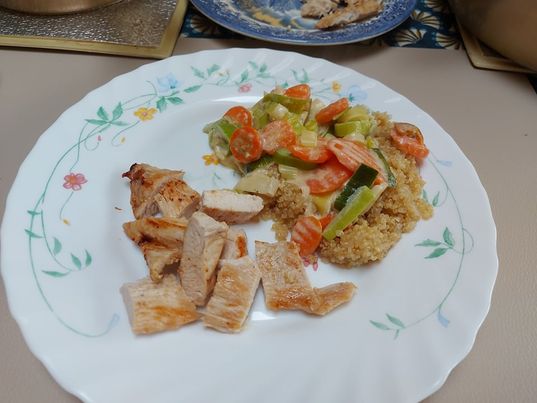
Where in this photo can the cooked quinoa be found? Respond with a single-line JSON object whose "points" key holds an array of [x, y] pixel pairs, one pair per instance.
{"points": [[371, 237]]}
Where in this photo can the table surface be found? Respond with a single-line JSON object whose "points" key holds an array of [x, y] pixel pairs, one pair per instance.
{"points": [[491, 115]]}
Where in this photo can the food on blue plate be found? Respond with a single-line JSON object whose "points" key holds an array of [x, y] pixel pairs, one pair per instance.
{"points": [[335, 14], [156, 307], [342, 179], [234, 292], [286, 285]]}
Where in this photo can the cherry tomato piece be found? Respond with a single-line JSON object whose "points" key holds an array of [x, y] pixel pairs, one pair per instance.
{"points": [[245, 144], [330, 112], [239, 115], [278, 134]]}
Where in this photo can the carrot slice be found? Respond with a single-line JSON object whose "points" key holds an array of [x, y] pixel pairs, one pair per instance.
{"points": [[318, 154], [307, 234], [301, 91], [408, 139], [328, 177], [239, 115], [276, 135], [330, 112], [245, 144], [352, 154]]}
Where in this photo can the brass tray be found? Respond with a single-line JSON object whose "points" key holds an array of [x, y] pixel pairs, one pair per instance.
{"points": [[143, 28]]}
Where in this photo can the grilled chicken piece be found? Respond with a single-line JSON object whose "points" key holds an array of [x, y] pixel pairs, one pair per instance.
{"points": [[161, 241], [236, 244], [356, 11], [317, 8], [158, 257], [203, 244], [332, 296], [176, 199], [157, 307], [233, 295], [230, 206], [146, 182], [286, 285], [167, 231]]}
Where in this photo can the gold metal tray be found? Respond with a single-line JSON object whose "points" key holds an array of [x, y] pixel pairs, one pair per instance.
{"points": [[143, 28]]}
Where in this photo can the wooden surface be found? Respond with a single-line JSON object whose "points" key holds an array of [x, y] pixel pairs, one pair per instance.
{"points": [[491, 115]]}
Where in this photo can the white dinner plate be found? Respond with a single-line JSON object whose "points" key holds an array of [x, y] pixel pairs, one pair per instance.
{"points": [[65, 256]]}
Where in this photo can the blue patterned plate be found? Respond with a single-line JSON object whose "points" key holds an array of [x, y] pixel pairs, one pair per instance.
{"points": [[280, 21]]}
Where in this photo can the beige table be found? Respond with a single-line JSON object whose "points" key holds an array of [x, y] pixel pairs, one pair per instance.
{"points": [[491, 115]]}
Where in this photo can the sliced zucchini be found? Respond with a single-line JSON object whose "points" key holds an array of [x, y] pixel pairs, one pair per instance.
{"points": [[284, 156], [383, 163], [364, 176]]}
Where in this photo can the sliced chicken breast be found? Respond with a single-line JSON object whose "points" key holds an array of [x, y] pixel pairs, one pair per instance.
{"points": [[176, 199], [230, 206], [158, 257], [157, 307], [233, 295], [236, 245], [146, 182], [286, 285], [203, 244], [167, 231]]}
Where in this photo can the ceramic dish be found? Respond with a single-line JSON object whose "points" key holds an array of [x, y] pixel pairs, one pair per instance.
{"points": [[280, 21], [64, 254]]}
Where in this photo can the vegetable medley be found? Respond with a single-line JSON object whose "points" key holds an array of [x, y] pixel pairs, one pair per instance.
{"points": [[328, 150]]}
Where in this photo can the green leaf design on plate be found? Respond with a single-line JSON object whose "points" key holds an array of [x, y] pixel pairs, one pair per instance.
{"points": [[263, 68], [96, 122], [119, 123], [76, 261], [448, 237], [33, 213], [102, 114], [175, 100], [395, 321], [436, 253], [198, 72], [244, 76], [161, 104], [214, 68], [89, 259], [254, 65], [380, 325], [117, 112], [32, 234], [194, 88], [435, 199], [53, 273], [429, 242], [57, 247]]}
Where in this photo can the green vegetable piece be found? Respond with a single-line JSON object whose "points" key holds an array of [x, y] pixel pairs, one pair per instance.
{"points": [[260, 116], [386, 168], [284, 157], [355, 113], [358, 203], [262, 162], [347, 128], [295, 105], [364, 176], [311, 125], [226, 127]]}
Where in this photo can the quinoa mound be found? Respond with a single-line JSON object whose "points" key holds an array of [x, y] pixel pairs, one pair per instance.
{"points": [[372, 235]]}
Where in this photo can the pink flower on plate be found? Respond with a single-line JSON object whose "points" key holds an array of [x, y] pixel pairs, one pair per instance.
{"points": [[74, 181], [245, 87]]}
